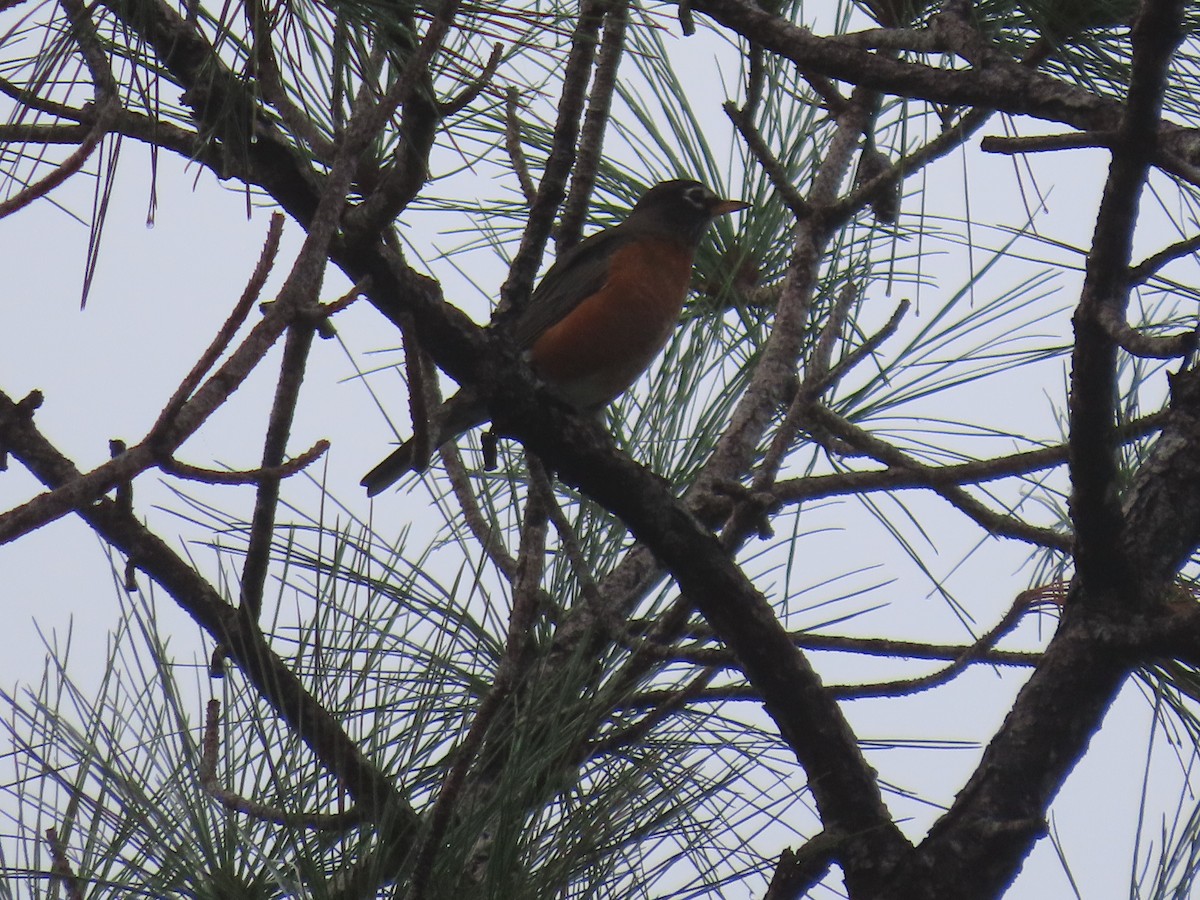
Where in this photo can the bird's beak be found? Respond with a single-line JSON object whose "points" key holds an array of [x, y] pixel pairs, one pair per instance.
{"points": [[721, 207]]}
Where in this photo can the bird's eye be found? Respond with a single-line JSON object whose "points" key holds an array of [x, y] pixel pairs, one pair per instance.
{"points": [[699, 196]]}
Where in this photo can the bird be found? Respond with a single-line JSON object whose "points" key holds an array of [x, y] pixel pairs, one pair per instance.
{"points": [[600, 314]]}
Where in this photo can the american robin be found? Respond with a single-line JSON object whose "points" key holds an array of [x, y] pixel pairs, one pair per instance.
{"points": [[600, 314]]}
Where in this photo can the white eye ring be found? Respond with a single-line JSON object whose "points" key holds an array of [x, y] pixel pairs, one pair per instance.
{"points": [[699, 196]]}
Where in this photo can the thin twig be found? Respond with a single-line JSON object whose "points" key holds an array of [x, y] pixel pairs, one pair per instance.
{"points": [[104, 109], [1138, 342], [43, 134], [263, 812], [1169, 162], [989, 519], [286, 469], [485, 535], [467, 95], [269, 80], [972, 654], [27, 99], [981, 651], [219, 343], [634, 734], [947, 141], [367, 121], [512, 143], [755, 503], [1149, 267], [887, 648], [60, 866], [780, 179], [844, 365], [1042, 143], [64, 170], [976, 471], [413, 94], [539, 482], [551, 189]]}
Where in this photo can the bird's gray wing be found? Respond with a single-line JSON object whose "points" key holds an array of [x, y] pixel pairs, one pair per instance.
{"points": [[575, 275]]}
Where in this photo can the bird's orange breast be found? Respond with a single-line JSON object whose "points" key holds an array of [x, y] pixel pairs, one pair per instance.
{"points": [[600, 348]]}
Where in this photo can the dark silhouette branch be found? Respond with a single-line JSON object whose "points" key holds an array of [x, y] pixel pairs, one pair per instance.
{"points": [[1150, 266], [1095, 510], [770, 164], [375, 792], [248, 476], [476, 87], [973, 472], [990, 520], [512, 143]]}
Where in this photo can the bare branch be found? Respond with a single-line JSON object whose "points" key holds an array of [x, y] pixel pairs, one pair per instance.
{"points": [[773, 168], [248, 476], [990, 520], [595, 122], [270, 81], [234, 802], [671, 703], [512, 143], [63, 171], [551, 189], [817, 486], [1149, 267], [1138, 343], [477, 86], [485, 535], [972, 654], [279, 426], [1042, 143], [539, 481], [221, 340]]}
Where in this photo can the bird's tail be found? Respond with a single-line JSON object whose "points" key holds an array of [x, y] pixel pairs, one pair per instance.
{"points": [[460, 413], [391, 470]]}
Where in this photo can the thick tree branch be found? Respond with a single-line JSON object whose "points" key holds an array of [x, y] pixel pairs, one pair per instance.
{"points": [[1004, 85], [977, 846], [374, 791], [807, 716], [1095, 511], [279, 426]]}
